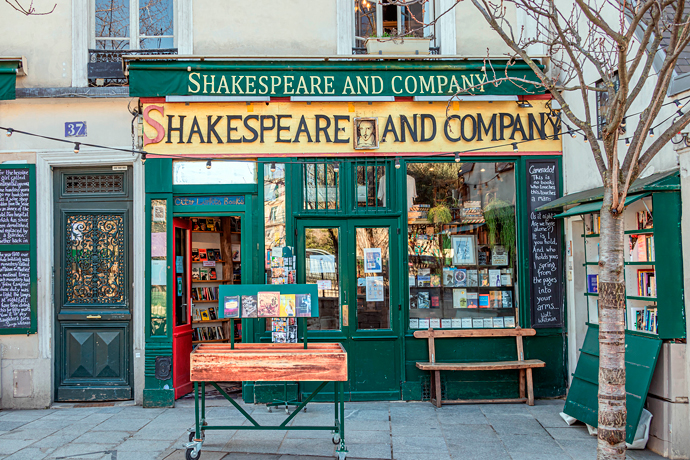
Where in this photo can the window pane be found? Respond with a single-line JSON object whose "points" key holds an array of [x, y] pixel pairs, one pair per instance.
{"points": [[156, 43], [365, 18], [112, 44], [321, 186], [390, 19], [412, 19], [321, 265], [220, 172], [112, 19], [274, 211], [461, 245], [155, 17], [180, 299], [373, 301], [371, 185], [159, 273]]}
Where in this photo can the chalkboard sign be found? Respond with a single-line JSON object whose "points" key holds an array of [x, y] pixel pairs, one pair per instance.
{"points": [[545, 254], [14, 206], [15, 294], [17, 249]]}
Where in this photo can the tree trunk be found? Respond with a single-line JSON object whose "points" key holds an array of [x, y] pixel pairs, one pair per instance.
{"points": [[612, 409]]}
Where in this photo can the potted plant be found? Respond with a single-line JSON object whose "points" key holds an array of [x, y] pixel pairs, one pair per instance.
{"points": [[387, 44]]}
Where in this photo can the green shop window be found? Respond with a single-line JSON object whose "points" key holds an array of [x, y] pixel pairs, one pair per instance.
{"points": [[159, 264], [461, 245]]}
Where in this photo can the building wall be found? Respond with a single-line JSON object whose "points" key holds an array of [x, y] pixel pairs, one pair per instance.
{"points": [[473, 34]]}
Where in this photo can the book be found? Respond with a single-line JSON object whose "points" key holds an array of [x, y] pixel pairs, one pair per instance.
{"points": [[195, 254], [231, 307], [269, 304], [495, 300], [484, 301], [203, 274], [509, 321], [499, 255], [494, 278], [210, 225], [646, 284], [212, 313], [448, 277], [211, 254], [195, 225], [507, 299], [435, 323], [477, 323], [466, 323], [461, 277], [412, 281], [303, 305], [456, 322], [488, 322], [459, 298], [212, 274], [484, 277], [414, 323], [195, 273], [472, 278], [423, 300], [435, 301], [287, 305], [202, 255], [498, 322], [435, 280], [593, 284], [205, 316], [472, 300], [424, 280], [424, 323], [235, 252], [506, 279], [249, 306], [446, 323]]}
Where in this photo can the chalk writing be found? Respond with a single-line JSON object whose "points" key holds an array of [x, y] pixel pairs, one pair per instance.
{"points": [[15, 285], [14, 206]]}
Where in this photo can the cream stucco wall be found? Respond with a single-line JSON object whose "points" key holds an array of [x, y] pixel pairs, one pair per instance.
{"points": [[45, 41], [269, 27], [474, 36]]}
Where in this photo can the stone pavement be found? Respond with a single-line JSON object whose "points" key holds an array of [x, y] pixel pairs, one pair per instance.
{"points": [[377, 430]]}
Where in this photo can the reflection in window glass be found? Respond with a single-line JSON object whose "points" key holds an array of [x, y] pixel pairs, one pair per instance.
{"points": [[156, 20], [321, 186], [220, 172], [274, 207], [461, 245], [373, 278], [159, 272], [321, 266], [371, 185], [365, 19]]}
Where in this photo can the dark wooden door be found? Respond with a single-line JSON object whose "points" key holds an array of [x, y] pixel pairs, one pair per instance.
{"points": [[182, 319], [93, 285]]}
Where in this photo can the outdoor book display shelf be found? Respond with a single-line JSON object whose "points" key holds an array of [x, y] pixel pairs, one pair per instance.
{"points": [[268, 362]]}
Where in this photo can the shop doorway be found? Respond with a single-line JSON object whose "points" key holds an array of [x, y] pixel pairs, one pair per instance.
{"points": [[357, 266], [93, 284], [207, 253]]}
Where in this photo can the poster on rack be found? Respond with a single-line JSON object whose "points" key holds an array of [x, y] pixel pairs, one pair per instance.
{"points": [[375, 289], [372, 260]]}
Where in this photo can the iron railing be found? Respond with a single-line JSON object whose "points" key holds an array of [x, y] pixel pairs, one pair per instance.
{"points": [[105, 66]]}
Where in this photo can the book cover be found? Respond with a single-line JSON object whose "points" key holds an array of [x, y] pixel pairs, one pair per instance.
{"points": [[269, 304], [279, 337], [412, 281], [212, 313], [488, 322], [435, 280], [507, 299], [210, 225], [195, 254], [424, 323], [414, 323], [484, 277], [506, 279], [435, 301], [203, 274], [231, 307], [461, 277], [212, 274], [303, 305], [211, 254], [205, 316], [249, 306], [448, 277], [484, 301], [459, 298], [472, 278], [424, 280], [435, 323], [195, 273], [235, 252], [593, 284], [509, 321], [287, 305], [423, 300], [456, 323], [446, 323], [494, 278], [498, 322], [495, 299], [195, 224], [499, 255], [472, 300], [202, 255], [642, 249], [466, 323], [477, 323]]}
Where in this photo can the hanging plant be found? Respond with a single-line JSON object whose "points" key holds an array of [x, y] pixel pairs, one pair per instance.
{"points": [[440, 214], [500, 221]]}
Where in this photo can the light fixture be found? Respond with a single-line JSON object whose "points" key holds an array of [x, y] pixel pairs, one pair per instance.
{"points": [[397, 163], [524, 104], [273, 167], [586, 140], [431, 168], [9, 132], [336, 168], [623, 123], [515, 147], [457, 157], [651, 132], [482, 170], [76, 147], [627, 141], [208, 164], [143, 158], [677, 102]]}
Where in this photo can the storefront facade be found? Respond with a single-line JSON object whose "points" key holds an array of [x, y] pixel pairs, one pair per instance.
{"points": [[407, 210]]}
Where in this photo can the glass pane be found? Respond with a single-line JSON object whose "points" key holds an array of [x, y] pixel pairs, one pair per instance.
{"points": [[412, 19], [156, 43], [155, 17], [371, 186], [373, 279], [159, 272], [365, 18], [274, 211], [321, 267], [461, 245], [220, 172], [112, 18], [390, 19], [181, 315], [321, 186], [112, 44]]}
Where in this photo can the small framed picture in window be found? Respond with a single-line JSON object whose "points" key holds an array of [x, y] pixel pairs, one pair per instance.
{"points": [[366, 135], [464, 249], [158, 213]]}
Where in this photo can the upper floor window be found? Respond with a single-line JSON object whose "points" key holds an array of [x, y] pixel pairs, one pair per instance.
{"points": [[151, 27], [384, 19]]}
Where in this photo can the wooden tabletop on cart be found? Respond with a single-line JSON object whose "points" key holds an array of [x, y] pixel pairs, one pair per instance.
{"points": [[269, 362]]}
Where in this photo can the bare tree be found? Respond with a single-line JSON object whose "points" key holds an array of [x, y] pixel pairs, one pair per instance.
{"points": [[618, 41], [28, 10]]}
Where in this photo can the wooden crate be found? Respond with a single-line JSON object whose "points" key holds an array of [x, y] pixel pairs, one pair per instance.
{"points": [[268, 362]]}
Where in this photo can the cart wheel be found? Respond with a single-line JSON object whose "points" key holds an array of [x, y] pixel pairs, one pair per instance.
{"points": [[342, 455], [189, 455], [305, 408], [191, 435], [336, 439], [287, 410]]}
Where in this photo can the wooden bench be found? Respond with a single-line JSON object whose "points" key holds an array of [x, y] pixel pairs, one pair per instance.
{"points": [[525, 366]]}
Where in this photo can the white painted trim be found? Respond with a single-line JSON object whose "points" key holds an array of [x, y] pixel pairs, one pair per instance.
{"points": [[445, 28], [217, 98], [81, 36], [45, 248], [464, 98], [342, 98], [345, 26], [184, 32]]}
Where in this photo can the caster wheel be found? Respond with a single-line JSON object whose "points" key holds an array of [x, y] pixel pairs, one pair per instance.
{"points": [[268, 408], [305, 408], [189, 455], [336, 439], [287, 411], [191, 436], [342, 455]]}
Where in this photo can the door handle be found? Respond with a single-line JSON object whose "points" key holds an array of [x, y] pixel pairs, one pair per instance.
{"points": [[93, 316]]}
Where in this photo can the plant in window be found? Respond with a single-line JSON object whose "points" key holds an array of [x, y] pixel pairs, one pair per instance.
{"points": [[500, 221], [440, 214]]}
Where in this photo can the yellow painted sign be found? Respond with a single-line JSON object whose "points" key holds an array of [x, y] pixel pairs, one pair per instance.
{"points": [[347, 128]]}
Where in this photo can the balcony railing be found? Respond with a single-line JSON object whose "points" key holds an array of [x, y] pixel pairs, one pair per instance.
{"points": [[105, 66]]}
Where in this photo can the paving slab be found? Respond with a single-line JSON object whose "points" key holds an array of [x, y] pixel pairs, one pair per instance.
{"points": [[368, 450], [425, 445], [571, 432], [294, 446], [30, 453], [531, 444], [10, 446]]}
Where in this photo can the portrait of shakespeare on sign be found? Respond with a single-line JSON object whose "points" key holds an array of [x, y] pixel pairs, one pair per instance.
{"points": [[366, 133]]}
